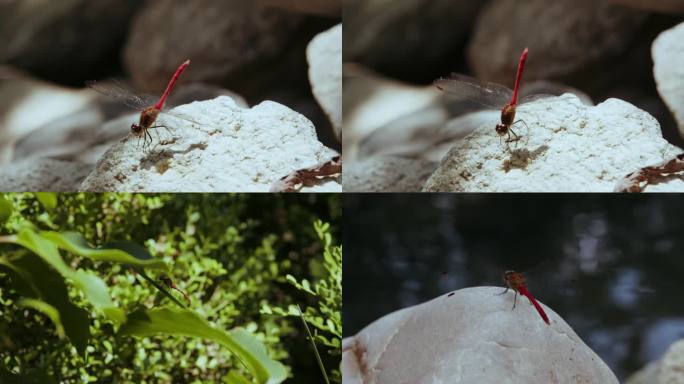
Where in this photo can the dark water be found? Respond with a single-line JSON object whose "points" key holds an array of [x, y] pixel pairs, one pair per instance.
{"points": [[611, 266]]}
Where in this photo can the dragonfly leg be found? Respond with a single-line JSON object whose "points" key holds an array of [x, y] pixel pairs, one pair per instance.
{"points": [[509, 139], [501, 293], [515, 298]]}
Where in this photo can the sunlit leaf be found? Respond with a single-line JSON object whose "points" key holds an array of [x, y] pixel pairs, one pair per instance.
{"points": [[234, 377], [182, 322], [48, 310], [5, 208], [117, 252], [47, 199], [92, 286]]}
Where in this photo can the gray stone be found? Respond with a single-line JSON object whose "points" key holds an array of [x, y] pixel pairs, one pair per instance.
{"points": [[470, 337]]}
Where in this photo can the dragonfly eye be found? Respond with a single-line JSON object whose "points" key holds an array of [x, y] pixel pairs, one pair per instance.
{"points": [[501, 129], [136, 128]]}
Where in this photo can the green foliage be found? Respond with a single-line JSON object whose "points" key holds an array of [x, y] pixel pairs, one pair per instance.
{"points": [[325, 317], [230, 253]]}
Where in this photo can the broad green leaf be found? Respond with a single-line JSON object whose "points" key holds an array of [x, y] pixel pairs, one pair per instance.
{"points": [[33, 278], [92, 286], [47, 199], [117, 252], [48, 310], [234, 377], [5, 208], [183, 322]]}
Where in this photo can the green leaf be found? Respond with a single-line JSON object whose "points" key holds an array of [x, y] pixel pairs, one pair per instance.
{"points": [[48, 310], [33, 278], [118, 252], [5, 209], [47, 199], [92, 286], [183, 322], [234, 377]]}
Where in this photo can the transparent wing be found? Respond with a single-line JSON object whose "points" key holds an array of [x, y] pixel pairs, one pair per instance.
{"points": [[534, 97], [120, 92], [466, 88], [180, 115]]}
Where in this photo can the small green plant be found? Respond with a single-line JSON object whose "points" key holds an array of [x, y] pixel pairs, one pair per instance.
{"points": [[325, 316], [82, 273]]}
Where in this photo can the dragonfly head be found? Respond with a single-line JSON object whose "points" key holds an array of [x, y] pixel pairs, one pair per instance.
{"points": [[501, 129], [137, 129]]}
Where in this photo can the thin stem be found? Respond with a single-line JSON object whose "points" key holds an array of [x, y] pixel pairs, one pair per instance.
{"points": [[318, 357]]}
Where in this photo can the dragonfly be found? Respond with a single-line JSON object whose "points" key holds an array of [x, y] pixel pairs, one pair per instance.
{"points": [[146, 104], [516, 281], [171, 285], [491, 96]]}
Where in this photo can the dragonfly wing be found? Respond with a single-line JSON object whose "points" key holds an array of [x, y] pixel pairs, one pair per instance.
{"points": [[466, 88], [534, 97], [122, 93], [180, 115]]}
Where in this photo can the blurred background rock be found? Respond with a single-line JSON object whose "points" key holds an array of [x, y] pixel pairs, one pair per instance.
{"points": [[394, 50], [253, 51]]}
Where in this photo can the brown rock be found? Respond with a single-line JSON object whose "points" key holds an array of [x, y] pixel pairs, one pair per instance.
{"points": [[315, 7], [664, 6], [563, 36], [406, 38], [222, 38], [63, 40]]}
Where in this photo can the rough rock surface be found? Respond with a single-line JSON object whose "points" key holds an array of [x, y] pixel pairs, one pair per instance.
{"points": [[668, 69], [387, 174], [470, 337], [223, 38], [44, 175], [576, 32], [226, 149], [671, 364], [324, 55], [569, 147]]}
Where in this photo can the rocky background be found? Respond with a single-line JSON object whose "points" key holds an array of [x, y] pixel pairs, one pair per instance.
{"points": [[51, 126], [393, 51]]}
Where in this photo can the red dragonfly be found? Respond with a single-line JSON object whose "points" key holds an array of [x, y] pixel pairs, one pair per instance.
{"points": [[169, 283], [491, 96], [150, 110], [516, 282]]}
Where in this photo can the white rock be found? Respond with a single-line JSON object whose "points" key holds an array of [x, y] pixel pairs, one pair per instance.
{"points": [[227, 149], [373, 102], [387, 174], [42, 174], [34, 104], [668, 69], [471, 337], [324, 55], [569, 147], [671, 364]]}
